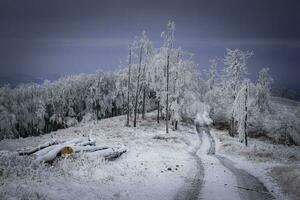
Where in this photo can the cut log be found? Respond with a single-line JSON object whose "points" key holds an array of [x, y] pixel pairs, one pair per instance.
{"points": [[49, 151], [70, 143], [51, 155], [46, 150], [38, 148], [65, 151]]}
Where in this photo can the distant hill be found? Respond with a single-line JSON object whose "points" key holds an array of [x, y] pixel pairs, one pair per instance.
{"points": [[16, 79], [285, 93], [285, 101]]}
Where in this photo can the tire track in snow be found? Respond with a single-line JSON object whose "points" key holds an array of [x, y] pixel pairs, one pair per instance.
{"points": [[218, 180], [249, 186], [192, 191]]}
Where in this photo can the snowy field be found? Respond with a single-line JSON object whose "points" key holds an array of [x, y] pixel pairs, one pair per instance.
{"points": [[151, 168], [178, 165], [155, 166]]}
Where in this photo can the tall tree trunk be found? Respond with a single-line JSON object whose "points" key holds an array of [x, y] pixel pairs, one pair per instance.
{"points": [[286, 134], [144, 92], [231, 128], [144, 103], [232, 123], [246, 114], [123, 104], [158, 111], [167, 103], [128, 87], [137, 88]]}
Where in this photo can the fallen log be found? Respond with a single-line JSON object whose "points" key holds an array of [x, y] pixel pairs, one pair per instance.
{"points": [[38, 148], [70, 143], [46, 150], [49, 151], [51, 155], [109, 154]]}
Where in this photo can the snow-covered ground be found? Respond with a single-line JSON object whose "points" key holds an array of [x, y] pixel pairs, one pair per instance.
{"points": [[277, 166], [151, 168], [178, 165]]}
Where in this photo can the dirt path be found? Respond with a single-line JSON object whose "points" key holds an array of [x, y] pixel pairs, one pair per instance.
{"points": [[248, 186], [219, 182], [193, 186], [217, 178]]}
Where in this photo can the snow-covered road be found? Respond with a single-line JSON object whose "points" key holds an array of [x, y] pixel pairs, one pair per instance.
{"points": [[192, 190], [221, 179]]}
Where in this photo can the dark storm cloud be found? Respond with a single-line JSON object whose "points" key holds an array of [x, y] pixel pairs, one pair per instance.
{"points": [[70, 36]]}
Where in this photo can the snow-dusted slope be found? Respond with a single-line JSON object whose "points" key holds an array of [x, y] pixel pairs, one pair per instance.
{"points": [[151, 169]]}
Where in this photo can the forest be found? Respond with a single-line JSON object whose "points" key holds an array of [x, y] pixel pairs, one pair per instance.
{"points": [[165, 79]]}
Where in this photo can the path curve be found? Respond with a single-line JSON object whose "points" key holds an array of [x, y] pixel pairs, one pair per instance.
{"points": [[192, 190], [249, 187], [219, 182], [218, 178]]}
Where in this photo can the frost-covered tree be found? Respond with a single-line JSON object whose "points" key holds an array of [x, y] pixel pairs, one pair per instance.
{"points": [[168, 36], [157, 79], [263, 90], [235, 63], [212, 74], [34, 109], [142, 45], [240, 112], [235, 70], [148, 49]]}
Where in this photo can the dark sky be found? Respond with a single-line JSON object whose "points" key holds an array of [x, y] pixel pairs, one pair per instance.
{"points": [[68, 37]]}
